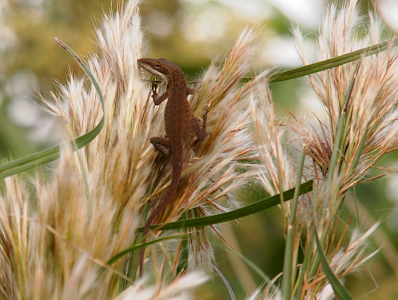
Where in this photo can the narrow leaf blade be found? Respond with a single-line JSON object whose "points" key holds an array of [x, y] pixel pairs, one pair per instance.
{"points": [[40, 158], [235, 214], [339, 289], [333, 62]]}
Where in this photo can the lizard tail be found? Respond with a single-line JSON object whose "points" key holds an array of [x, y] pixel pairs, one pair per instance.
{"points": [[177, 161]]}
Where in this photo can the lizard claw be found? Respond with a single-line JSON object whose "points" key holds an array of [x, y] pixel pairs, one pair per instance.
{"points": [[154, 86], [154, 92]]}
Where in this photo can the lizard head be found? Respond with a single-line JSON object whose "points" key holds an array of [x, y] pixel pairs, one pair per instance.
{"points": [[159, 67]]}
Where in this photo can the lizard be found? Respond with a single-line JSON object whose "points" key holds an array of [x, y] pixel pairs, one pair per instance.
{"points": [[180, 125]]}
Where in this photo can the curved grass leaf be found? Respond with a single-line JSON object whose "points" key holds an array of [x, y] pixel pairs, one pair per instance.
{"points": [[139, 246], [46, 156], [339, 289], [333, 62], [220, 218], [235, 214]]}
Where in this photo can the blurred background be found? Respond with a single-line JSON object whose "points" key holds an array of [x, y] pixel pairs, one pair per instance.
{"points": [[191, 33]]}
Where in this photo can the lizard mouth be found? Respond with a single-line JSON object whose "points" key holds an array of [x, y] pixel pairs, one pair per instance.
{"points": [[148, 67]]}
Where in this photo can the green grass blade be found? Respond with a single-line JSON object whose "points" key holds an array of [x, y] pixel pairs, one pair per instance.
{"points": [[339, 289], [289, 261], [333, 62], [183, 257], [235, 214], [304, 267], [337, 152], [139, 246], [46, 156], [358, 153]]}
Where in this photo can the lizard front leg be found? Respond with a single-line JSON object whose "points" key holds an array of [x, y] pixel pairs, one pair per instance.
{"points": [[200, 130], [191, 91], [155, 96]]}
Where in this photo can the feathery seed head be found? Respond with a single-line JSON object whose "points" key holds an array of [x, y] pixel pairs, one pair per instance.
{"points": [[370, 130], [87, 211]]}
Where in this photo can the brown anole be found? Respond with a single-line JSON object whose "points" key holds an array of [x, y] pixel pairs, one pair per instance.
{"points": [[180, 125]]}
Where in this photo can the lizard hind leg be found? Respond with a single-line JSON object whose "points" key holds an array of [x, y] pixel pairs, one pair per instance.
{"points": [[162, 144], [200, 129]]}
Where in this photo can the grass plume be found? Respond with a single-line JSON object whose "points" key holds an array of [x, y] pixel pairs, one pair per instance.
{"points": [[57, 232]]}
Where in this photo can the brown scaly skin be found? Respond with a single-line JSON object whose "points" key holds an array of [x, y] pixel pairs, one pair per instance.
{"points": [[180, 125]]}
